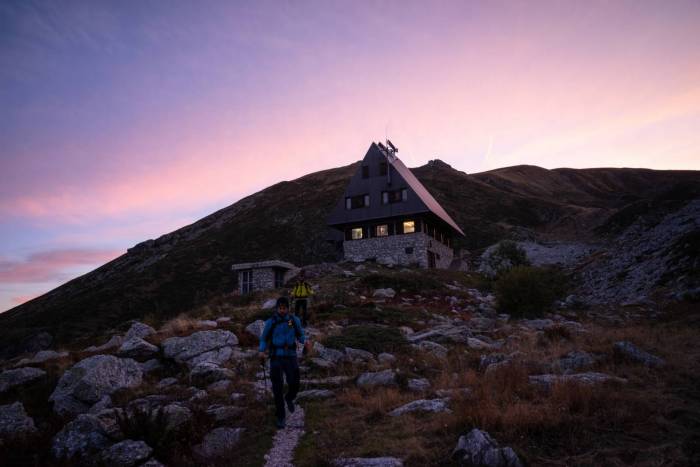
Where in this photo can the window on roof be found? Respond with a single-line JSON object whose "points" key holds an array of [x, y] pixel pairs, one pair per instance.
{"points": [[356, 233], [382, 230], [404, 194], [385, 197], [365, 171], [356, 202], [383, 168], [394, 196], [409, 227]]}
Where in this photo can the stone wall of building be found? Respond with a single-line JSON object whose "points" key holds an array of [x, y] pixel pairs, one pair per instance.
{"points": [[406, 250], [264, 278]]}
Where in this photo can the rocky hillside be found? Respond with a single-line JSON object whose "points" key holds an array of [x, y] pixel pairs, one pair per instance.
{"points": [[185, 268], [408, 368]]}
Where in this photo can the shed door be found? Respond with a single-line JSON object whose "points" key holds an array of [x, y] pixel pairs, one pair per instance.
{"points": [[431, 260], [246, 281]]}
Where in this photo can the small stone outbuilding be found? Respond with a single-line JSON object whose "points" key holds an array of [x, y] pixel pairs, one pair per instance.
{"points": [[272, 274]]}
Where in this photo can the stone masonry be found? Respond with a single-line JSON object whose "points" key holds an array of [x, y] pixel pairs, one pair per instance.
{"points": [[396, 249]]}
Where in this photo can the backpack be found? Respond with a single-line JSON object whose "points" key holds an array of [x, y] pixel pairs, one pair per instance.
{"points": [[268, 338]]}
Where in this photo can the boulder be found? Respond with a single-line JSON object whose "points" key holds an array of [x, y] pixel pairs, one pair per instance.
{"points": [[136, 347], [379, 378], [631, 351], [217, 444], [478, 449], [313, 394], [590, 378], [84, 436], [422, 405], [203, 346], [152, 463], [42, 356], [166, 382], [418, 384], [256, 328], [105, 402], [481, 324], [326, 353], [368, 462], [487, 360], [176, 416], [18, 377], [434, 348], [151, 366], [207, 373], [88, 380], [384, 293], [139, 330], [224, 413], [127, 453], [14, 421], [478, 344]]}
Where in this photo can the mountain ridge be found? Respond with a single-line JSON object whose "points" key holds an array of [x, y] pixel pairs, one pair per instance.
{"points": [[184, 268]]}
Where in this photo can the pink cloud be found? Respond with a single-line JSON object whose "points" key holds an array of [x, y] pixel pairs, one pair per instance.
{"points": [[18, 300], [51, 265]]}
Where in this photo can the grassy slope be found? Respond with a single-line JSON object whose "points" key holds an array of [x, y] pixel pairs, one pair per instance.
{"points": [[185, 268]]}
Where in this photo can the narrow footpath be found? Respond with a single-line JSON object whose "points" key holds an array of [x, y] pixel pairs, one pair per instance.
{"points": [[285, 441]]}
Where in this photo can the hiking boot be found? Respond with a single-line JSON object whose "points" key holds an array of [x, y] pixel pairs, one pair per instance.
{"points": [[280, 423], [290, 406]]}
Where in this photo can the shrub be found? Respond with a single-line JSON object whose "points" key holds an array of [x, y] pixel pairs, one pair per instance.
{"points": [[504, 257], [373, 338], [527, 291]]}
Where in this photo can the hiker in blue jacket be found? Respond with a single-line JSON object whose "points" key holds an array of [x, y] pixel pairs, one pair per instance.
{"points": [[279, 338]]}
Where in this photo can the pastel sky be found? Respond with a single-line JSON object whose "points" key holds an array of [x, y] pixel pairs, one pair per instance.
{"points": [[124, 120]]}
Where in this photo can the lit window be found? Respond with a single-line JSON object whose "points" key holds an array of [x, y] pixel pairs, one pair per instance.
{"points": [[356, 233], [382, 230], [409, 227]]}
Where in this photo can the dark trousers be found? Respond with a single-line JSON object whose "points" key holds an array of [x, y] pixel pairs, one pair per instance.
{"points": [[290, 368], [300, 305]]}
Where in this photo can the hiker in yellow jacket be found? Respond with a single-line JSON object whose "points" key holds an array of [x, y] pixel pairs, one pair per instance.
{"points": [[301, 292]]}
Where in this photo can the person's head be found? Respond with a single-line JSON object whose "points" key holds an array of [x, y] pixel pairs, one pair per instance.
{"points": [[282, 305]]}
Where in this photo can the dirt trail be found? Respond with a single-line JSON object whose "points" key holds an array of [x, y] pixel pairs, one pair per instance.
{"points": [[286, 440]]}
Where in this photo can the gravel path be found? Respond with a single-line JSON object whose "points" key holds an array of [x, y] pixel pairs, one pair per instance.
{"points": [[286, 440]]}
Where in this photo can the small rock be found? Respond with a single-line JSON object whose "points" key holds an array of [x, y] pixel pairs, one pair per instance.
{"points": [[418, 384], [18, 377], [477, 344], [206, 373], [42, 356], [537, 324], [386, 358], [164, 383], [14, 421], [218, 443], [113, 343], [358, 355], [139, 330], [478, 449], [406, 331], [237, 396], [633, 352], [256, 328], [203, 346], [589, 378], [574, 360], [434, 348], [269, 304], [207, 323], [422, 405], [223, 320], [105, 402], [380, 378], [151, 366], [326, 353], [127, 453], [136, 347], [321, 363], [223, 385], [384, 293]]}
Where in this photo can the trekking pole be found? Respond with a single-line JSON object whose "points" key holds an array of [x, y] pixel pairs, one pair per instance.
{"points": [[264, 376]]}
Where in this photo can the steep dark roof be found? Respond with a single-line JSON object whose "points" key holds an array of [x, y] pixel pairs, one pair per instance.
{"points": [[399, 177]]}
